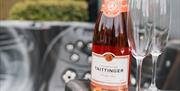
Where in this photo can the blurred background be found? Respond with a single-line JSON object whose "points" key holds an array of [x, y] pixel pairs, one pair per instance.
{"points": [[49, 10], [46, 43]]}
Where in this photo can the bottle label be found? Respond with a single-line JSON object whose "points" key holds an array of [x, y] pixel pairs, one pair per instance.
{"points": [[112, 8], [109, 69]]}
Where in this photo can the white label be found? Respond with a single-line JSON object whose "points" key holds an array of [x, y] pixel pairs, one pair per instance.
{"points": [[109, 70]]}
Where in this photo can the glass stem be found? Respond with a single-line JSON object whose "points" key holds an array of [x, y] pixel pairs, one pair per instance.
{"points": [[138, 73], [154, 68]]}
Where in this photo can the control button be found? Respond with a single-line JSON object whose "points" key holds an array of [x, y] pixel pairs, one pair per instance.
{"points": [[89, 45], [88, 48], [87, 76], [75, 57], [70, 47], [69, 75], [80, 44]]}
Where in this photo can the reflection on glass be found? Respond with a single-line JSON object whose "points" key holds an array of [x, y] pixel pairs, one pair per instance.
{"points": [[139, 33], [161, 23]]}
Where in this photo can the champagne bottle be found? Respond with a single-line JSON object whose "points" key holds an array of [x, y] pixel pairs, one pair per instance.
{"points": [[110, 68]]}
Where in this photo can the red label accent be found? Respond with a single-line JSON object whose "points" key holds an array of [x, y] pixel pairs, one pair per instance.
{"points": [[112, 8], [109, 57]]}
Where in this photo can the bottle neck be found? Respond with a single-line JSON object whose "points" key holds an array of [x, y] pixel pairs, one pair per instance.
{"points": [[112, 8]]}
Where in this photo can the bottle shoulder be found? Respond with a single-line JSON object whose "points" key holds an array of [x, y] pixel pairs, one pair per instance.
{"points": [[110, 22]]}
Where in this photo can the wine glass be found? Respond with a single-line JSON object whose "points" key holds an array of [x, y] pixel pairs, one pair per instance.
{"points": [[139, 33], [161, 23]]}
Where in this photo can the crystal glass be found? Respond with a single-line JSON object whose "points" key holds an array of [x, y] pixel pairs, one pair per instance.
{"points": [[139, 33], [161, 22]]}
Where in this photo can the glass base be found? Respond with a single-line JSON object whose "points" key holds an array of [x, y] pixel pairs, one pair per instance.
{"points": [[152, 88]]}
